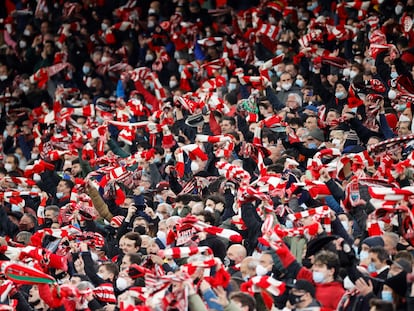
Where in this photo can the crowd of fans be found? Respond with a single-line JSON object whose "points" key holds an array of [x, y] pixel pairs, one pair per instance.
{"points": [[206, 155]]}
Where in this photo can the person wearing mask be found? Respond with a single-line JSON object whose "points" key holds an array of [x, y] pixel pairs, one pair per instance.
{"points": [[287, 87], [302, 296], [324, 273], [235, 255], [63, 191]]}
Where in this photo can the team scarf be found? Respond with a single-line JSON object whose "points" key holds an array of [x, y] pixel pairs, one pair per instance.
{"points": [[321, 213], [183, 252], [24, 274]]}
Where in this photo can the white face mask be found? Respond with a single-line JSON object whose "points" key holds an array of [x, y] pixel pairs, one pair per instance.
{"points": [[150, 24], [3, 77], [25, 89], [272, 20], [121, 283], [398, 9], [22, 44], [105, 59], [286, 86], [392, 94], [36, 177], [149, 57], [104, 27], [346, 72], [26, 32], [8, 167], [34, 156], [260, 270], [173, 83]]}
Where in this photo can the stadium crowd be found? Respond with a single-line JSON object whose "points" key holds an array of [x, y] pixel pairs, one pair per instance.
{"points": [[206, 155]]}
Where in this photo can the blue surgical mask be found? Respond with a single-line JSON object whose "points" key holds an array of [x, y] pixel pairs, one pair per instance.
{"points": [[168, 157], [371, 267], [363, 255], [353, 74], [355, 248], [340, 95], [86, 69], [299, 83], [387, 296], [318, 277], [289, 224], [59, 195], [16, 208], [312, 146], [232, 86], [394, 75], [312, 6], [279, 52]]}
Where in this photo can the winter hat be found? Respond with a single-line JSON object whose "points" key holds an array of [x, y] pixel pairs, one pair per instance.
{"points": [[402, 263], [117, 221], [344, 83], [398, 283], [317, 134], [305, 286], [373, 241]]}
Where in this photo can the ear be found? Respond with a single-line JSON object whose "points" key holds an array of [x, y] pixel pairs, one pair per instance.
{"points": [[331, 272]]}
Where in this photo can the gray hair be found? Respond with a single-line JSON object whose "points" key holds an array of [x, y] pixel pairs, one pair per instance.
{"points": [[297, 98]]}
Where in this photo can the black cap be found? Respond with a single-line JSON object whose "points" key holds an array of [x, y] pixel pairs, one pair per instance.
{"points": [[305, 286]]}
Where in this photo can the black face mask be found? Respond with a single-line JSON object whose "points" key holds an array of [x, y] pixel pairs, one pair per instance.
{"points": [[47, 223], [140, 229], [294, 299], [143, 251], [229, 262]]}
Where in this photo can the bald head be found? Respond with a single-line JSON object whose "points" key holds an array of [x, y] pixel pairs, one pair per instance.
{"points": [[237, 253], [248, 267]]}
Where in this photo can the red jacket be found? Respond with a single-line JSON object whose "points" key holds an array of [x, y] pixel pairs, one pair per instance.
{"points": [[329, 294]]}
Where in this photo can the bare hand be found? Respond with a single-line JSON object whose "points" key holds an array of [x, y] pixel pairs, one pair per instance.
{"points": [[363, 287], [221, 296], [132, 209]]}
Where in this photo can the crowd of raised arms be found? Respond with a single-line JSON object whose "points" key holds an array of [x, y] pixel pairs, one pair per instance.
{"points": [[203, 155]]}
